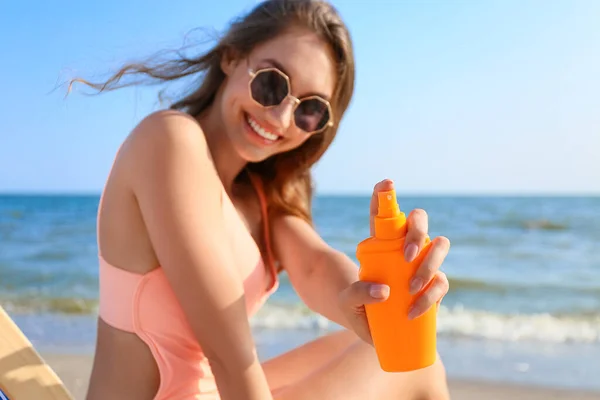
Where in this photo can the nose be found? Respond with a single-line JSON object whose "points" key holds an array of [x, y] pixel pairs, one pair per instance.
{"points": [[281, 116]]}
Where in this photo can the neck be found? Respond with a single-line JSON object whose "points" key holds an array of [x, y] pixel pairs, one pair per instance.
{"points": [[227, 161]]}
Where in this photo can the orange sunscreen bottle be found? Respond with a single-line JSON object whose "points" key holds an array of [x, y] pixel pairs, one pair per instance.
{"points": [[401, 344]]}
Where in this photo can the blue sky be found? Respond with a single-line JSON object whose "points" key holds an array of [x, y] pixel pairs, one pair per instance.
{"points": [[451, 96]]}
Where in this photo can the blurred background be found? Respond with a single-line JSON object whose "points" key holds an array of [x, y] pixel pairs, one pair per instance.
{"points": [[485, 114]]}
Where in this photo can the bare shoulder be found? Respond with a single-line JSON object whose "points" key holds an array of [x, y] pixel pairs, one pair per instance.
{"points": [[173, 120], [167, 131], [166, 140]]}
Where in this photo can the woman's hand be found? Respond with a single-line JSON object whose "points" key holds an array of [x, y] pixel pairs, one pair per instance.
{"points": [[353, 299]]}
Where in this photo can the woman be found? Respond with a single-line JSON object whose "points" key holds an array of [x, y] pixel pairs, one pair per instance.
{"points": [[208, 201]]}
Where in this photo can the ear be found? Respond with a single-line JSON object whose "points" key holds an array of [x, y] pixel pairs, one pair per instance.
{"points": [[229, 61]]}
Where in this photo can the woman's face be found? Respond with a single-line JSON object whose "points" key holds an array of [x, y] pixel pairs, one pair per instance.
{"points": [[257, 132]]}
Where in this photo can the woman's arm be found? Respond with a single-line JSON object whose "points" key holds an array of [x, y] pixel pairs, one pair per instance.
{"points": [[327, 280], [317, 272], [179, 195]]}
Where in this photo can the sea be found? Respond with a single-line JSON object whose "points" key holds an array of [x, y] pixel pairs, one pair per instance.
{"points": [[523, 305]]}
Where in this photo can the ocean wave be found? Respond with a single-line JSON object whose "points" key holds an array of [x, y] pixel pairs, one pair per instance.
{"points": [[14, 214], [49, 255], [582, 327], [58, 305], [544, 225], [528, 224], [468, 284], [459, 321], [544, 327], [19, 290]]}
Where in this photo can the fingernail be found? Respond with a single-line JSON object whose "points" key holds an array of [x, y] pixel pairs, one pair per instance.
{"points": [[415, 285], [413, 313], [379, 291], [410, 252]]}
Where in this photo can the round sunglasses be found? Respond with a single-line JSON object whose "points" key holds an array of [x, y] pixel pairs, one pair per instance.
{"points": [[269, 87]]}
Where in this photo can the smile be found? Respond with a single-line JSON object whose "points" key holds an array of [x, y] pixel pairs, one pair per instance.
{"points": [[261, 131]]}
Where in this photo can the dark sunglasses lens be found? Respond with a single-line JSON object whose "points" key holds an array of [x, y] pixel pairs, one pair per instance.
{"points": [[311, 115], [269, 88]]}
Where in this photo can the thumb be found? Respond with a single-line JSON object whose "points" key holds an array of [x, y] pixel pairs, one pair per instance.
{"points": [[362, 292]]}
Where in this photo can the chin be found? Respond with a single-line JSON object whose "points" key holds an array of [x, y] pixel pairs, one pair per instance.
{"points": [[251, 157]]}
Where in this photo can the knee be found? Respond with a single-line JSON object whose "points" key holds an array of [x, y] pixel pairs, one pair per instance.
{"points": [[435, 386], [435, 391], [440, 392], [434, 396]]}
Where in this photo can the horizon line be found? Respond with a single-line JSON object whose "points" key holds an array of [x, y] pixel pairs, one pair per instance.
{"points": [[465, 193]]}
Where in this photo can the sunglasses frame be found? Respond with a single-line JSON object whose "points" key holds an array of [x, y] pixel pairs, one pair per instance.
{"points": [[253, 74]]}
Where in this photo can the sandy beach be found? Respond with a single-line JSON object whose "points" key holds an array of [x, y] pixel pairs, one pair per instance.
{"points": [[74, 370]]}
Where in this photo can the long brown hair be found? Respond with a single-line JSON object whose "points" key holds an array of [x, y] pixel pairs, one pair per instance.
{"points": [[286, 176]]}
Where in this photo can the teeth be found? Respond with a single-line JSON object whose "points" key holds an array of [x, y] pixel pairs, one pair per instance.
{"points": [[260, 131]]}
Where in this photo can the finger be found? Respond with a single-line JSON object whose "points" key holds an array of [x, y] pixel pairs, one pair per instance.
{"points": [[434, 293], [417, 226], [384, 185], [440, 246], [362, 292], [353, 300]]}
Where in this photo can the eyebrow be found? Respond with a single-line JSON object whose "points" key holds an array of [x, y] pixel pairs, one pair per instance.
{"points": [[280, 67]]}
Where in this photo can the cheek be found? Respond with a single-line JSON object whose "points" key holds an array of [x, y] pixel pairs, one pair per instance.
{"points": [[297, 140], [235, 99]]}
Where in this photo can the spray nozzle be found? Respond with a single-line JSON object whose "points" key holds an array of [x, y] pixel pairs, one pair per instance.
{"points": [[388, 205], [389, 221]]}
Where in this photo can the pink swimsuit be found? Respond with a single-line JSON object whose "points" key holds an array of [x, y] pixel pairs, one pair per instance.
{"points": [[146, 305]]}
